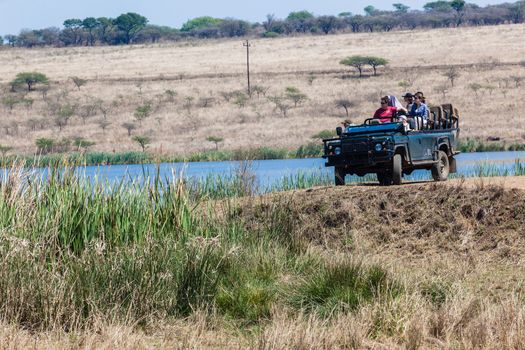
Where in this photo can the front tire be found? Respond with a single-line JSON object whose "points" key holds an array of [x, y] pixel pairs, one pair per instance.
{"points": [[441, 169], [339, 176], [397, 169]]}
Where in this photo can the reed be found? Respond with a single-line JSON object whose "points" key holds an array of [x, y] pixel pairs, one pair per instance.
{"points": [[74, 250]]}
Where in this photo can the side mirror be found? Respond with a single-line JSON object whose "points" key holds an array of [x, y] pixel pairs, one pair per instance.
{"points": [[339, 131]]}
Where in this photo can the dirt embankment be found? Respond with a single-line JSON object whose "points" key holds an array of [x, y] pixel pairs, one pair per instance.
{"points": [[467, 218]]}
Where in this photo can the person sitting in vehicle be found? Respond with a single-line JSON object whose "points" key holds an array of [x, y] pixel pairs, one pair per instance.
{"points": [[386, 112], [409, 100], [346, 124], [419, 113]]}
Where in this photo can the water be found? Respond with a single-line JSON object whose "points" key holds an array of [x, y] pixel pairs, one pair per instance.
{"points": [[269, 172]]}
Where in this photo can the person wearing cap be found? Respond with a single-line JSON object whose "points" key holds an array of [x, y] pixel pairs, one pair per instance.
{"points": [[409, 100], [346, 124]]}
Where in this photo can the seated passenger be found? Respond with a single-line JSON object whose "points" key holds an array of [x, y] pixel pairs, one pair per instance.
{"points": [[419, 113], [409, 100], [346, 124], [386, 112]]}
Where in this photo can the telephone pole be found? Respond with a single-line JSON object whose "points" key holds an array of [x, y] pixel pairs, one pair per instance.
{"points": [[247, 45]]}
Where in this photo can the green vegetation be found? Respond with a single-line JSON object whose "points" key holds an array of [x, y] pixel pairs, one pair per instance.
{"points": [[29, 79], [475, 145], [359, 62], [142, 141], [311, 150], [200, 23], [215, 140], [80, 250], [132, 28]]}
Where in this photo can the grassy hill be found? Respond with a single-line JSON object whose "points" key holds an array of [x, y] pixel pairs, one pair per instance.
{"points": [[197, 89]]}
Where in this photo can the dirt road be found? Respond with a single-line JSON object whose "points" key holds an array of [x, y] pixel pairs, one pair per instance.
{"points": [[509, 182]]}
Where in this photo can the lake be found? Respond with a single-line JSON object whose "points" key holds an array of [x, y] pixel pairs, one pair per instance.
{"points": [[269, 172]]}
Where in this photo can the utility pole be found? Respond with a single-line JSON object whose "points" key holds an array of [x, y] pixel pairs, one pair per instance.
{"points": [[247, 45]]}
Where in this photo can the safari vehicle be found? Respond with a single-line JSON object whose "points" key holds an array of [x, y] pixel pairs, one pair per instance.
{"points": [[391, 151]]}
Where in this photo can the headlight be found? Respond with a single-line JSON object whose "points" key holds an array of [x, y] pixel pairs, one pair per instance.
{"points": [[378, 147], [337, 151]]}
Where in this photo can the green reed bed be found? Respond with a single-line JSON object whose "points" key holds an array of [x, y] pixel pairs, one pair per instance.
{"points": [[476, 145], [74, 252], [310, 150]]}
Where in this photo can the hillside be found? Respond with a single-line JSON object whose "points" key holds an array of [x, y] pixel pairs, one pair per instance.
{"points": [[192, 88]]}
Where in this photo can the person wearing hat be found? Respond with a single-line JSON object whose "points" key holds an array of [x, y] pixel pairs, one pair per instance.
{"points": [[409, 100], [346, 124]]}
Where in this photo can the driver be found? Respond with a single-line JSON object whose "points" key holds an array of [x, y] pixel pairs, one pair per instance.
{"points": [[386, 112]]}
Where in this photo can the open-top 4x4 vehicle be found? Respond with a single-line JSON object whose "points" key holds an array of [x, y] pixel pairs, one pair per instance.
{"points": [[391, 151]]}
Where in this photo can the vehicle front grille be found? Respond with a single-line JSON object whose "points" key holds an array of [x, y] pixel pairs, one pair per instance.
{"points": [[355, 146]]}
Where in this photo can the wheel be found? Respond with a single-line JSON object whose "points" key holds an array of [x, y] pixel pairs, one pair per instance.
{"points": [[441, 169], [340, 176], [397, 169]]}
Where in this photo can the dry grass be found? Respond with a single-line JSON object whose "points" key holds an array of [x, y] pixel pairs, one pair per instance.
{"points": [[456, 252], [125, 77]]}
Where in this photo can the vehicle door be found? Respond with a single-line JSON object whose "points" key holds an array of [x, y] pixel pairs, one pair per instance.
{"points": [[417, 145], [429, 144]]}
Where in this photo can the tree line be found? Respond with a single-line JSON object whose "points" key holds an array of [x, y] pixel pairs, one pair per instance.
{"points": [[131, 28]]}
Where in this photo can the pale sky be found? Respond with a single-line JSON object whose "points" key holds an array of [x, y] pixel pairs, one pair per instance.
{"points": [[35, 14]]}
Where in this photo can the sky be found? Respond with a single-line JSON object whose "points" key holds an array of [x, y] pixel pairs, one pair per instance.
{"points": [[35, 14]]}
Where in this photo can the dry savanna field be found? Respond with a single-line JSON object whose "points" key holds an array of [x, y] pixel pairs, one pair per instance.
{"points": [[194, 89]]}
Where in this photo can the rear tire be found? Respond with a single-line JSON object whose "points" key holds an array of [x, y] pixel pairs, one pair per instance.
{"points": [[441, 169], [397, 169], [339, 176]]}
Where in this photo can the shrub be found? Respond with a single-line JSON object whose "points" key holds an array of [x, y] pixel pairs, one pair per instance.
{"points": [[143, 111], [270, 35], [296, 96], [324, 134], [44, 145]]}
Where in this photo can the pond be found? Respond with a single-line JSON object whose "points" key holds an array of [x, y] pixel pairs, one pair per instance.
{"points": [[270, 172]]}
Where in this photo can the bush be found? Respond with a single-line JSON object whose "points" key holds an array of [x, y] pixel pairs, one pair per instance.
{"points": [[270, 35], [44, 145]]}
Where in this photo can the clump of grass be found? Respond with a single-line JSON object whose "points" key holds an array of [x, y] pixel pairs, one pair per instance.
{"points": [[335, 286]]}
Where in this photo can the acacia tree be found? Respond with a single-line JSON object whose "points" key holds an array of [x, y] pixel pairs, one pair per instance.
{"points": [[358, 62], [376, 62], [344, 103], [30, 79], [129, 127], [452, 74], [216, 140], [79, 82], [143, 141]]}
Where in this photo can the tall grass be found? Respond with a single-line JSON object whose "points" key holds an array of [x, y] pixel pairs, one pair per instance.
{"points": [[73, 251]]}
